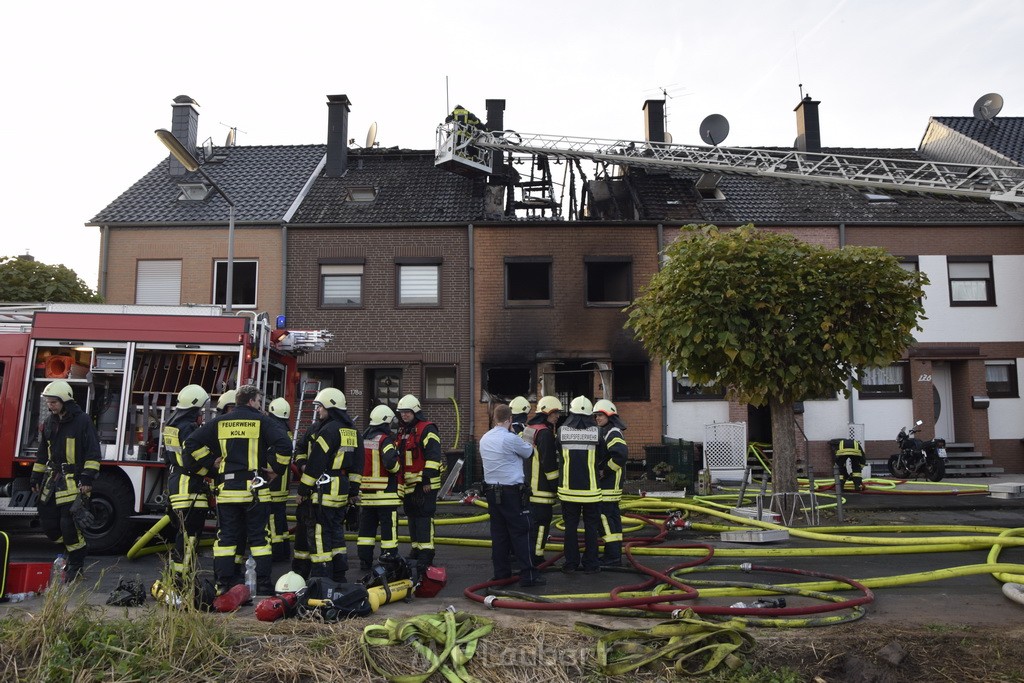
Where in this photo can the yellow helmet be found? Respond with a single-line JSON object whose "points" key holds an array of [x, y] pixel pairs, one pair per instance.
{"points": [[60, 390], [548, 404], [226, 399], [381, 415], [409, 402], [192, 396], [331, 398], [519, 405], [280, 407], [581, 405], [605, 406]]}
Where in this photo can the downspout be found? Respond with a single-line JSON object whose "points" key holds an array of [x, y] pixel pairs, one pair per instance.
{"points": [[101, 286], [849, 380], [472, 336], [664, 370], [284, 270]]}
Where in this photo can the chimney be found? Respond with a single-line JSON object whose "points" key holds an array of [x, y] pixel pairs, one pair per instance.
{"points": [[654, 120], [185, 127], [808, 131], [337, 135], [495, 114]]}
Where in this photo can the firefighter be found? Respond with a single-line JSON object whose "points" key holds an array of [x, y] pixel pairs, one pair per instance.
{"points": [[420, 445], [463, 117], [520, 408], [247, 449], [578, 490], [612, 454], [300, 549], [379, 493], [854, 450], [330, 477], [542, 472], [226, 402], [280, 410], [66, 466], [186, 481]]}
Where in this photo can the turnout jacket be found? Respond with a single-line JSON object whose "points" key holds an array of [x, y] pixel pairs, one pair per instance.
{"points": [[279, 487], [187, 489], [381, 468], [333, 455], [248, 442], [541, 469], [612, 454], [69, 447], [420, 445], [579, 437]]}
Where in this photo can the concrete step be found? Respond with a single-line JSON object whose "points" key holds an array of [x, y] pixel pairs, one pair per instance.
{"points": [[966, 462], [973, 471]]}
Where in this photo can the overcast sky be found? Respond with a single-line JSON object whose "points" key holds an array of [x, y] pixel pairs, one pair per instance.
{"points": [[88, 82]]}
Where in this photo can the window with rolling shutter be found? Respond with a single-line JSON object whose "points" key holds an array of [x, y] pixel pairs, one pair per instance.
{"points": [[418, 285], [158, 283], [341, 285]]}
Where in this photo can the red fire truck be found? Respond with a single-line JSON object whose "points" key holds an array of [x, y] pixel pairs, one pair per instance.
{"points": [[126, 364]]}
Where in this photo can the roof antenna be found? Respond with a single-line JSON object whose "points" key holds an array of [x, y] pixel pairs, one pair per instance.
{"points": [[801, 86]]}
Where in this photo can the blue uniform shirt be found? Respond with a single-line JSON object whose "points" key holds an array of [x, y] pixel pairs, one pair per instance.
{"points": [[502, 453]]}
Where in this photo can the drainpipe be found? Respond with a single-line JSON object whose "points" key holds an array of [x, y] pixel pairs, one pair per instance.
{"points": [[849, 380], [284, 269], [472, 335], [664, 377], [101, 286]]}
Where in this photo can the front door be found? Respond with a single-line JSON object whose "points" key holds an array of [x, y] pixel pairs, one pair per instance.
{"points": [[942, 390], [387, 385]]}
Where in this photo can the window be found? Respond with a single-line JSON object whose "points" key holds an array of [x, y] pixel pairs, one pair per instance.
{"points": [[1001, 379], [685, 390], [503, 383], [970, 281], [909, 263], [341, 285], [609, 280], [631, 382], [528, 281], [243, 283], [158, 283], [439, 383], [419, 281], [887, 382]]}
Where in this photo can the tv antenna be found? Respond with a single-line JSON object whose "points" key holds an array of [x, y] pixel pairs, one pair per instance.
{"points": [[714, 129], [988, 106]]}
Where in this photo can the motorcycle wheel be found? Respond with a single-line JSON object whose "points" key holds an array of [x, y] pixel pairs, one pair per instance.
{"points": [[934, 469], [897, 468]]}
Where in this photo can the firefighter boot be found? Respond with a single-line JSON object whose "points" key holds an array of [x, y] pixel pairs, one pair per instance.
{"points": [[302, 567], [424, 560], [339, 566], [858, 484], [264, 569], [365, 553]]}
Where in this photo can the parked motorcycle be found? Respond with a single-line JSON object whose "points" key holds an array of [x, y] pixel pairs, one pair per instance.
{"points": [[918, 458]]}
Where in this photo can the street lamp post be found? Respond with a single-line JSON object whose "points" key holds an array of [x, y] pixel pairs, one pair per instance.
{"points": [[191, 164]]}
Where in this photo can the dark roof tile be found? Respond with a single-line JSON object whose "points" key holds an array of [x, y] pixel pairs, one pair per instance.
{"points": [[1004, 135]]}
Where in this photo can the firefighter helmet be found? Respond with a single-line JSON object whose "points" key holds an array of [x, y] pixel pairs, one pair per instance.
{"points": [[226, 399], [548, 404], [291, 582], [581, 405], [409, 402], [381, 415], [59, 390], [605, 406], [280, 407], [192, 396], [519, 405], [331, 398]]}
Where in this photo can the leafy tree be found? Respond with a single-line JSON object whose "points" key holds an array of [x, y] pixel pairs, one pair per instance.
{"points": [[24, 280], [776, 320]]}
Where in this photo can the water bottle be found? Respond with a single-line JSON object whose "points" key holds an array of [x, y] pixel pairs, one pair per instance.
{"points": [[250, 575], [770, 603], [57, 571], [738, 605], [18, 597]]}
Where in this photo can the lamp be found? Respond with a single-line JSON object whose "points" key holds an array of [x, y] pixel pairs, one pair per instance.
{"points": [[191, 164]]}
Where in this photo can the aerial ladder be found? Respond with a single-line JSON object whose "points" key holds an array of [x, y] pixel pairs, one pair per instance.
{"points": [[1001, 184]]}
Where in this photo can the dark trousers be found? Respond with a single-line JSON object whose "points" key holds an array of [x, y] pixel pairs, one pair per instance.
{"points": [[372, 517], [611, 522], [571, 513], [55, 518], [419, 509], [300, 548], [325, 538], [540, 527], [241, 523], [279, 530], [857, 463], [510, 532], [190, 522]]}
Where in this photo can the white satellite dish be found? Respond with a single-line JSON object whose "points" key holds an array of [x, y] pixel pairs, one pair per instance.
{"points": [[371, 135], [668, 137], [988, 106], [714, 129], [230, 141]]}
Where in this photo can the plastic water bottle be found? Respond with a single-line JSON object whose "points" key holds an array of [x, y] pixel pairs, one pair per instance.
{"points": [[770, 603], [18, 597], [250, 575], [57, 571], [738, 605]]}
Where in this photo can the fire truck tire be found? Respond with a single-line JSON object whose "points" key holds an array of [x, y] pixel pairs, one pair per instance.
{"points": [[113, 530]]}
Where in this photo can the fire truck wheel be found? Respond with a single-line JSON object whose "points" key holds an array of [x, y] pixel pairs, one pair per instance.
{"points": [[113, 529]]}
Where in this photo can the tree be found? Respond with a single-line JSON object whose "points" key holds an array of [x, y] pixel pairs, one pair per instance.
{"points": [[26, 280], [776, 320]]}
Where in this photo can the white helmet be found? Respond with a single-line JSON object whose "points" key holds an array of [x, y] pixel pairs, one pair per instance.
{"points": [[280, 407], [226, 399], [409, 402], [581, 405], [548, 404], [381, 415], [289, 583], [331, 398], [192, 396], [519, 405], [605, 406], [60, 390]]}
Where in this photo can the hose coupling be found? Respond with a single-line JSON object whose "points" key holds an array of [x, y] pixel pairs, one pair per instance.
{"points": [[746, 567], [489, 601]]}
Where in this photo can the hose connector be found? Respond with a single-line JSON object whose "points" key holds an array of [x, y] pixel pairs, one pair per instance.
{"points": [[747, 567], [489, 601], [677, 614]]}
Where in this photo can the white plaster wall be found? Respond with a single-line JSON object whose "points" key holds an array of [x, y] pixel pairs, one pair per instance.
{"points": [[883, 418], [824, 420], [1006, 415], [1002, 322]]}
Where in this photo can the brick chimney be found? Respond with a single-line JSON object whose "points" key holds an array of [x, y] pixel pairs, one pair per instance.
{"points": [[337, 135], [185, 127], [495, 114], [808, 131], [654, 120]]}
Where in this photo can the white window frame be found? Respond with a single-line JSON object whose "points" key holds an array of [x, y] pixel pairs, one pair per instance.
{"points": [[415, 282], [158, 282], [341, 272], [234, 292]]}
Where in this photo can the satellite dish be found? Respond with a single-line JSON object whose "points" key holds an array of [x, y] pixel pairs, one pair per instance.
{"points": [[714, 129], [668, 137], [230, 142], [988, 106], [371, 135]]}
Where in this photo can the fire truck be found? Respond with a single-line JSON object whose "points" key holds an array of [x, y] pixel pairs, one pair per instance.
{"points": [[126, 365]]}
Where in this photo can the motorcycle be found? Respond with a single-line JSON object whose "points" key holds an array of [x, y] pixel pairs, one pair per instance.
{"points": [[918, 458]]}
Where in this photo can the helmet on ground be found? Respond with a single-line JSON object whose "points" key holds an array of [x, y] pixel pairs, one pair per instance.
{"points": [[548, 404], [381, 415], [289, 583], [581, 405], [605, 406], [409, 402], [226, 399], [519, 405], [280, 407], [192, 396], [59, 390], [331, 398]]}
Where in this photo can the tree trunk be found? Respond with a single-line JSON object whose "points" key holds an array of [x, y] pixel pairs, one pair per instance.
{"points": [[783, 447]]}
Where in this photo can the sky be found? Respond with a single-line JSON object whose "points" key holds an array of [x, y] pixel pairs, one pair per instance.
{"points": [[88, 83]]}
